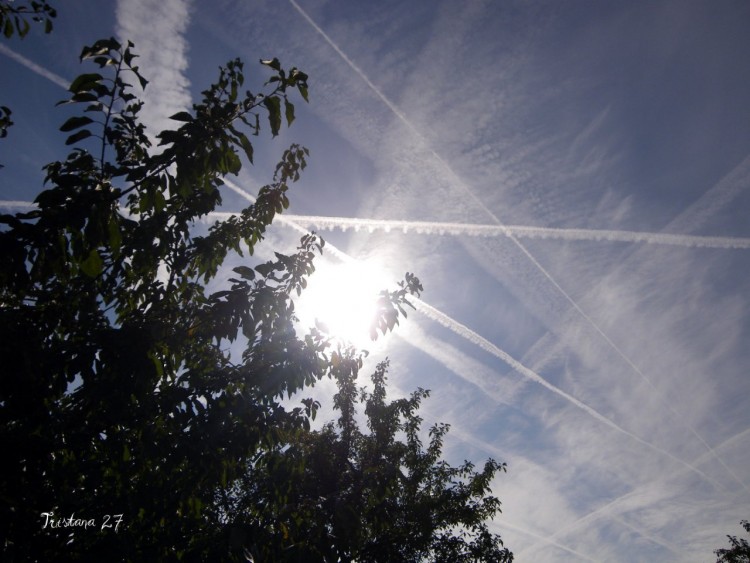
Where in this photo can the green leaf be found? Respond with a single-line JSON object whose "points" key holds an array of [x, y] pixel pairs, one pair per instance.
{"points": [[75, 122], [115, 237], [245, 272], [93, 264], [101, 47], [273, 63], [289, 111], [274, 113], [246, 146], [265, 269], [182, 116], [75, 137], [85, 82], [303, 91]]}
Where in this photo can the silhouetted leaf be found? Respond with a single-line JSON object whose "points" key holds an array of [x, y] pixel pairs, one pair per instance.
{"points": [[273, 63], [182, 116], [79, 136], [288, 111], [84, 82], [274, 113], [75, 122]]}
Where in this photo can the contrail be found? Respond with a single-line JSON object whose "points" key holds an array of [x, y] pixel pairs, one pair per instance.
{"points": [[158, 29], [606, 508], [10, 204], [320, 223], [391, 106], [583, 520], [460, 330], [510, 235], [32, 66], [504, 229], [547, 540], [471, 336], [468, 334]]}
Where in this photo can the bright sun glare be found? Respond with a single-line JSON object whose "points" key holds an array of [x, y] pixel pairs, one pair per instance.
{"points": [[343, 298]]}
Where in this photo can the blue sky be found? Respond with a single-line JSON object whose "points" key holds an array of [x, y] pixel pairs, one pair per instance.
{"points": [[571, 182]]}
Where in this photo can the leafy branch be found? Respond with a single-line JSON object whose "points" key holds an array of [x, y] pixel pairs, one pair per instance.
{"points": [[14, 18]]}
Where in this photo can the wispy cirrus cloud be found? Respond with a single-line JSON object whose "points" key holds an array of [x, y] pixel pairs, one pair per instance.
{"points": [[564, 126], [471, 336]]}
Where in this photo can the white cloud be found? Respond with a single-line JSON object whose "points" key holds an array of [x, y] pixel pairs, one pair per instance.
{"points": [[157, 28]]}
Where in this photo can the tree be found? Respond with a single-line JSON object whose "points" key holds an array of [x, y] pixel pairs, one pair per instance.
{"points": [[346, 495], [126, 419], [119, 394], [739, 552]]}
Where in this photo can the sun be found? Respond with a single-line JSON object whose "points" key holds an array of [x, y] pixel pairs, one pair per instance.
{"points": [[342, 299]]}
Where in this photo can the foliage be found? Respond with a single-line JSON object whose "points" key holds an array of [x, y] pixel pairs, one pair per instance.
{"points": [[14, 17], [119, 394], [346, 495], [739, 552], [14, 20], [133, 429]]}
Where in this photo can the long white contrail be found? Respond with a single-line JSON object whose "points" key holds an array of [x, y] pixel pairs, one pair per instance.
{"points": [[465, 332], [391, 106], [468, 334], [319, 223], [462, 331], [13, 204], [546, 539], [33, 67], [510, 235], [610, 505], [334, 251]]}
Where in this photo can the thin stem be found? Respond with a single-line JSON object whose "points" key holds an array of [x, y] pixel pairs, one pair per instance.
{"points": [[108, 115]]}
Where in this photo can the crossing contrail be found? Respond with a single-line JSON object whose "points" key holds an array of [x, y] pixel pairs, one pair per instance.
{"points": [[468, 334], [33, 67], [463, 331], [511, 236], [546, 539], [426, 309], [605, 509], [458, 329]]}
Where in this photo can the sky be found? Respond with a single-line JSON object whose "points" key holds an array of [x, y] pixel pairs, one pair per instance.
{"points": [[571, 183]]}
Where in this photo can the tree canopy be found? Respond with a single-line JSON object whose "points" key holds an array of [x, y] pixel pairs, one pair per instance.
{"points": [[739, 550], [343, 494], [130, 429]]}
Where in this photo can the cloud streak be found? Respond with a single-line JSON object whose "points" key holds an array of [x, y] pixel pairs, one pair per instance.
{"points": [[32, 66], [157, 28], [472, 195], [487, 346], [319, 223], [466, 333]]}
